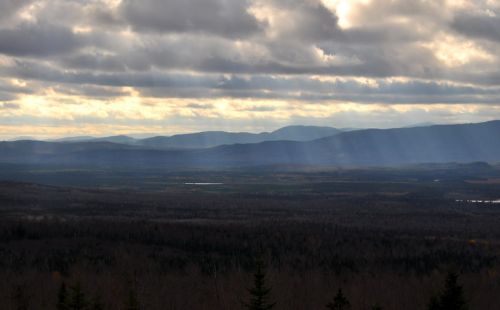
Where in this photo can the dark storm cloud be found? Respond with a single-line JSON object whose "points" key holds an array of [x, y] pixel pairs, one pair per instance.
{"points": [[407, 65], [250, 49], [263, 87], [314, 22], [163, 85], [290, 52], [306, 20], [29, 39], [349, 86], [94, 61], [228, 18], [478, 26], [375, 51], [489, 77], [36, 71]]}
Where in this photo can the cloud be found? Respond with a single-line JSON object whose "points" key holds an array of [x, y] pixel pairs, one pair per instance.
{"points": [[312, 21], [6, 96], [93, 61], [200, 106], [227, 18], [7, 105], [9, 7], [161, 84], [30, 39], [284, 59], [89, 91], [483, 26]]}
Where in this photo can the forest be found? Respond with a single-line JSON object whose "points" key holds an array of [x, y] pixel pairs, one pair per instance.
{"points": [[353, 239]]}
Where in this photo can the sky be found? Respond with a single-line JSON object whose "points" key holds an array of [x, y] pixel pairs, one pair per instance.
{"points": [[105, 67]]}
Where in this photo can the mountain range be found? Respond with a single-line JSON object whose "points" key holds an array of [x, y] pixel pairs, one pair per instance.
{"points": [[290, 145], [208, 139]]}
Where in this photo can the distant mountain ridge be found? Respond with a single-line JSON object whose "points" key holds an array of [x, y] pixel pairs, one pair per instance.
{"points": [[215, 138], [463, 143], [432, 144]]}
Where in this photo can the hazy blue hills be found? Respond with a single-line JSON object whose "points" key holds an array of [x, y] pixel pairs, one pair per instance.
{"points": [[215, 138], [300, 133], [28, 151], [370, 147], [433, 144]]}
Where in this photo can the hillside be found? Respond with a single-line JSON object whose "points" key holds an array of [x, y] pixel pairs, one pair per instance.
{"points": [[208, 139], [371, 147]]}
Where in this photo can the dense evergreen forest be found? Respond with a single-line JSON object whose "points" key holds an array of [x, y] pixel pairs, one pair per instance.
{"points": [[378, 243]]}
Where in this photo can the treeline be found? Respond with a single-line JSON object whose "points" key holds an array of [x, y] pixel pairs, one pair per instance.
{"points": [[188, 251], [204, 265], [75, 298], [293, 244], [259, 297]]}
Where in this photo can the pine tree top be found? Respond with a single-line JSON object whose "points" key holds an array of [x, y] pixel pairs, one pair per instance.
{"points": [[340, 302], [451, 298], [260, 292]]}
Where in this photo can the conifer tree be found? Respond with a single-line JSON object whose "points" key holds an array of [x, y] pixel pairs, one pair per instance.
{"points": [[62, 298], [376, 307], [260, 292], [451, 298], [20, 298], [434, 304], [77, 300], [339, 302], [97, 303], [132, 301]]}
